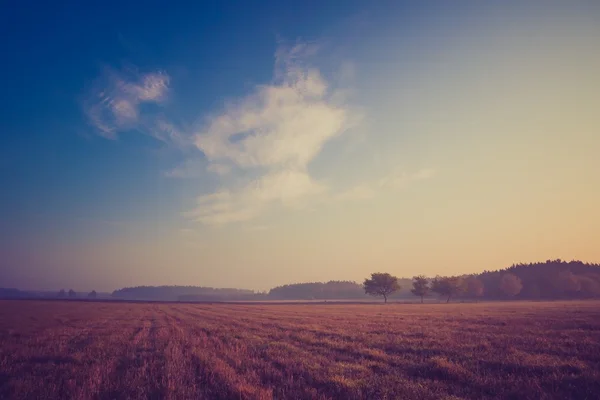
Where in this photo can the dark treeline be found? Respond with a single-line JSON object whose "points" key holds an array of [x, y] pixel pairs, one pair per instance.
{"points": [[553, 279]]}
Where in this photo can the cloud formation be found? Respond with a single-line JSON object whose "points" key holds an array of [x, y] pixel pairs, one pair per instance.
{"points": [[113, 105], [274, 132], [282, 125], [258, 147], [289, 188]]}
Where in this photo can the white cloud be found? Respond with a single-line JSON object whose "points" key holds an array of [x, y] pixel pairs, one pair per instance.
{"points": [[273, 134], [276, 132], [280, 126], [289, 188], [113, 105]]}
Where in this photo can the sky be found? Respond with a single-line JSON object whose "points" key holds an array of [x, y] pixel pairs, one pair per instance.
{"points": [[253, 144]]}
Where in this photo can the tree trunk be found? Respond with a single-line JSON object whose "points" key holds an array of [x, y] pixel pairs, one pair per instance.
{"points": [[421, 299], [448, 301], [384, 298]]}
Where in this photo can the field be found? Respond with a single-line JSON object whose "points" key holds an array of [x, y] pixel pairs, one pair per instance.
{"points": [[103, 350]]}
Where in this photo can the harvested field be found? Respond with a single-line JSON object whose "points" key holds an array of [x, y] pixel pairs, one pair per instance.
{"points": [[103, 350]]}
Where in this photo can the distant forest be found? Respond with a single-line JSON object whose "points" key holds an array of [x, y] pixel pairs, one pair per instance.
{"points": [[553, 279]]}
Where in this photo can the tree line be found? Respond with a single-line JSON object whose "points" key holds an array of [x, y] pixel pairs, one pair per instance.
{"points": [[552, 279], [384, 284]]}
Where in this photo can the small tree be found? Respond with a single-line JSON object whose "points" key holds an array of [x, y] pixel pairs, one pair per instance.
{"points": [[448, 286], [72, 293], [381, 284], [510, 285], [62, 293], [92, 294], [420, 286]]}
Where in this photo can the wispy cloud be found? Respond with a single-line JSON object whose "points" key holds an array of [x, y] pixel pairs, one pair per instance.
{"points": [[113, 104], [289, 188], [282, 125], [274, 132]]}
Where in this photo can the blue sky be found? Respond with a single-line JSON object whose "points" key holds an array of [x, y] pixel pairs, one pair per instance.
{"points": [[51, 150], [213, 143]]}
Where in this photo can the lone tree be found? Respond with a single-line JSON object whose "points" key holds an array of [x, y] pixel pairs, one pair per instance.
{"points": [[448, 286], [510, 285], [420, 286], [381, 284], [92, 294]]}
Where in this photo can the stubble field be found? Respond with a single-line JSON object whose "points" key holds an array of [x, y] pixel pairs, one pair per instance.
{"points": [[103, 350]]}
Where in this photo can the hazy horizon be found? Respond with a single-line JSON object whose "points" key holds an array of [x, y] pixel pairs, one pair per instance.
{"points": [[270, 144], [403, 285]]}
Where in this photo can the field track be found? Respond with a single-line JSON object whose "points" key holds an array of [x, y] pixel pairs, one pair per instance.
{"points": [[103, 350]]}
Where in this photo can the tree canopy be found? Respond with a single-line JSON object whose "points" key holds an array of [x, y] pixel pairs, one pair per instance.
{"points": [[510, 285], [420, 286], [448, 286], [381, 284]]}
